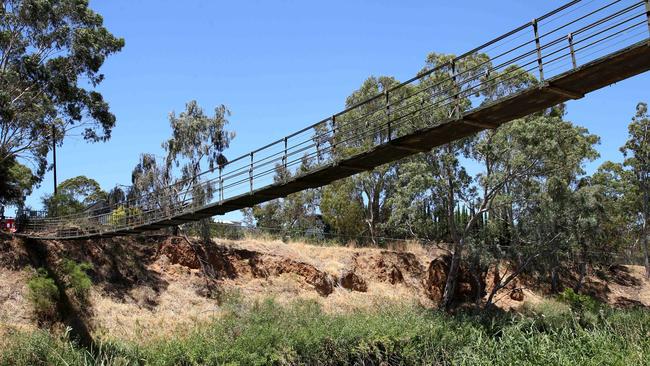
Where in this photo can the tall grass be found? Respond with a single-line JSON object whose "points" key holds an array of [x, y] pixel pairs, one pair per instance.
{"points": [[268, 333]]}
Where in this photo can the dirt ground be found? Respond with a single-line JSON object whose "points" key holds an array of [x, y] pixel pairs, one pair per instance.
{"points": [[156, 286]]}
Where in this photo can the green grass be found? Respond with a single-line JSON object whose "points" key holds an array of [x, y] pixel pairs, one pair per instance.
{"points": [[267, 333]]}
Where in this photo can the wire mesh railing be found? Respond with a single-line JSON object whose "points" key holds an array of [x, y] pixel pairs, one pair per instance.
{"points": [[524, 58]]}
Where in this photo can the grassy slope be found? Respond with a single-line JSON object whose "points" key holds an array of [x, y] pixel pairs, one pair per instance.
{"points": [[266, 333]]}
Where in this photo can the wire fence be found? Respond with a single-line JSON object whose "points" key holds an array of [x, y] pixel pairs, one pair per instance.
{"points": [[320, 236], [555, 43]]}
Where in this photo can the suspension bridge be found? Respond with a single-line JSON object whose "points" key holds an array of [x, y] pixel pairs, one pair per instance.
{"points": [[577, 48]]}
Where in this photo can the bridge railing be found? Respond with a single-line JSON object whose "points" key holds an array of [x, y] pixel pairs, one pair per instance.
{"points": [[555, 43]]}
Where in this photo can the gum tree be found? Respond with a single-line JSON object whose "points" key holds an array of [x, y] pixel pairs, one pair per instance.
{"points": [[637, 153], [51, 52]]}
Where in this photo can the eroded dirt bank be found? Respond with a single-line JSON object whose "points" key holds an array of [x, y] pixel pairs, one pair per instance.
{"points": [[157, 285]]}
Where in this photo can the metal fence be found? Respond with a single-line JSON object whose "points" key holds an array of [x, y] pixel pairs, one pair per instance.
{"points": [[555, 43]]}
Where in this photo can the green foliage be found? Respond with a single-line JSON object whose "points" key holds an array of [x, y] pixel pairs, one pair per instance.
{"points": [[73, 196], [51, 53], [43, 295], [268, 333], [76, 278], [578, 302], [16, 181], [342, 209], [120, 216]]}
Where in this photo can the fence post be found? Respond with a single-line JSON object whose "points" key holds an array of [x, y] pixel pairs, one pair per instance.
{"points": [[250, 173], [387, 97], [540, 64], [573, 53]]}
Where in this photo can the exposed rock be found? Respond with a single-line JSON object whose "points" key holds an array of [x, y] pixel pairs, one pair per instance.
{"points": [[625, 303], [351, 281], [467, 287], [179, 252], [228, 263], [517, 294], [389, 266], [434, 283]]}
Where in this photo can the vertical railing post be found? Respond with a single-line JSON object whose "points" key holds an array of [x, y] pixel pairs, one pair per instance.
{"points": [[572, 50], [540, 63], [333, 142], [220, 182], [318, 147], [388, 122], [647, 13], [250, 173], [456, 90], [285, 157]]}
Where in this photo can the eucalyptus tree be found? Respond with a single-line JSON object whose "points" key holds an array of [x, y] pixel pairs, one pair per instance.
{"points": [[51, 52], [293, 214], [620, 200], [73, 196], [517, 166], [451, 181], [16, 182], [151, 185], [358, 130], [197, 144], [342, 207], [637, 153]]}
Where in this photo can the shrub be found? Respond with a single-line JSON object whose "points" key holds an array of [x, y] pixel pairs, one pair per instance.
{"points": [[578, 302], [43, 295], [76, 278], [121, 215]]}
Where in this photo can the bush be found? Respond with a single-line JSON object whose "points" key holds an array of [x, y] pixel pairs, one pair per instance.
{"points": [[76, 278], [578, 302], [43, 295], [122, 215]]}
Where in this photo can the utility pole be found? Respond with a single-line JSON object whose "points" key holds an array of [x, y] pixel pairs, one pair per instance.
{"points": [[54, 155]]}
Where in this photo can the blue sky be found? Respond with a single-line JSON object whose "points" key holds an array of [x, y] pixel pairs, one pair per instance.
{"points": [[280, 65]]}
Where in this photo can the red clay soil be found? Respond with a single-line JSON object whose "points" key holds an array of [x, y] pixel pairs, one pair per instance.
{"points": [[122, 264]]}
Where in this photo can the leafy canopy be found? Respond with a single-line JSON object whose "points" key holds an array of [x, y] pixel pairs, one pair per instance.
{"points": [[51, 52]]}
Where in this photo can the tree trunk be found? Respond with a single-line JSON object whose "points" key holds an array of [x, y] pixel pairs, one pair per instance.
{"points": [[452, 275], [496, 283], [581, 276], [555, 280], [645, 249]]}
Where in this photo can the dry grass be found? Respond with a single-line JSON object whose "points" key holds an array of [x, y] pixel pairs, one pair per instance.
{"points": [[639, 292], [180, 307], [331, 259], [144, 314], [15, 308]]}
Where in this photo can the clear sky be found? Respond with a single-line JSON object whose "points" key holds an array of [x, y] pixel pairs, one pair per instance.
{"points": [[280, 65]]}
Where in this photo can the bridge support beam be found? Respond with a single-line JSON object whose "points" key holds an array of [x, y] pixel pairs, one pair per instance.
{"points": [[403, 147], [564, 92], [353, 167], [475, 123]]}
